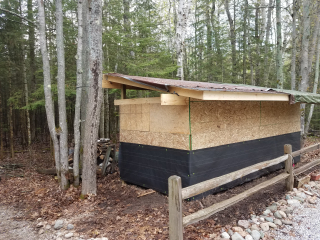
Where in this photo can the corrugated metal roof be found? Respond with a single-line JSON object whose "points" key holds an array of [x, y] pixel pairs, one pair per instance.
{"points": [[163, 84]]}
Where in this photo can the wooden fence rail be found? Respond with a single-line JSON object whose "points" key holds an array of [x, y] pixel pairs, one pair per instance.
{"points": [[177, 193]]}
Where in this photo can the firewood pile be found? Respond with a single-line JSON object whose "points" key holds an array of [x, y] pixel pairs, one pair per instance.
{"points": [[106, 156], [102, 148]]}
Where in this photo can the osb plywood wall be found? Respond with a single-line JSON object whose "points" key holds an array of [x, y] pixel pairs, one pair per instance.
{"points": [[215, 123], [156, 125]]}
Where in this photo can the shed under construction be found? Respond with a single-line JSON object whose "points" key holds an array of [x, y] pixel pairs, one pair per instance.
{"points": [[200, 131]]}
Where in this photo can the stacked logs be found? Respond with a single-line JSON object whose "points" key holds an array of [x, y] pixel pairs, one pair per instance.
{"points": [[106, 153], [102, 147]]}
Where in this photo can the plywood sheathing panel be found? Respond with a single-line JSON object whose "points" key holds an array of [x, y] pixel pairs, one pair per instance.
{"points": [[155, 125], [169, 119], [132, 117], [169, 140], [215, 123]]}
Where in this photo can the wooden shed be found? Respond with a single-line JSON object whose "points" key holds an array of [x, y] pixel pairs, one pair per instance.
{"points": [[200, 130]]}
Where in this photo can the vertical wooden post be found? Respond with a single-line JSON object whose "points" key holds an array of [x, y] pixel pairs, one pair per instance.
{"points": [[288, 166], [123, 91], [175, 209]]}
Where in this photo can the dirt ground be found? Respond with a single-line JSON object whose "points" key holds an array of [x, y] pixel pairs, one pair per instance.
{"points": [[117, 212]]}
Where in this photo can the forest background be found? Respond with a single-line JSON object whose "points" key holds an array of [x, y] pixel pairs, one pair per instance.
{"points": [[274, 44]]}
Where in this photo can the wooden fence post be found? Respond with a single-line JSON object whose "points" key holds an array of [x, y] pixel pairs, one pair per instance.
{"points": [[288, 166], [175, 208]]}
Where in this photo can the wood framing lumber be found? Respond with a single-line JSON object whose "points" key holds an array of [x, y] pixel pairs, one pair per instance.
{"points": [[306, 167], [112, 85], [137, 101], [173, 99], [123, 92], [186, 92], [244, 96], [207, 212], [202, 187], [306, 149], [127, 82]]}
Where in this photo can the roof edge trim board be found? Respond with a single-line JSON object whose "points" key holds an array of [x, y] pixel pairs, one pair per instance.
{"points": [[131, 82], [112, 85], [186, 92], [137, 101], [242, 96]]}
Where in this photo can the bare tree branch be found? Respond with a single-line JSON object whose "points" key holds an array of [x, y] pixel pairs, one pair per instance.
{"points": [[13, 13]]}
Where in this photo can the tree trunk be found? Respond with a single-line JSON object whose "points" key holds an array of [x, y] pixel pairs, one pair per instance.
{"points": [[244, 57], [217, 40], [316, 81], [232, 41], [279, 46], [304, 59], [266, 43], [85, 74], [77, 110], [209, 44], [89, 184], [256, 79], [26, 94], [63, 127], [263, 20], [181, 28], [10, 114], [1, 124], [314, 38], [32, 64], [47, 87], [294, 46]]}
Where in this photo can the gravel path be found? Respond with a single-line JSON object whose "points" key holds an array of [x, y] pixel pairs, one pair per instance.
{"points": [[306, 224], [11, 229]]}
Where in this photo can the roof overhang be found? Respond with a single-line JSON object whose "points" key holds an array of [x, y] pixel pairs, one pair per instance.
{"points": [[202, 91]]}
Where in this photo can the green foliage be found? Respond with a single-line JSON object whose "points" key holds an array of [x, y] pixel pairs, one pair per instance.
{"points": [[135, 46]]}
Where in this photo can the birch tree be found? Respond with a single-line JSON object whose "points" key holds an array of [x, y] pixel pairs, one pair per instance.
{"points": [[47, 87], [232, 39], [89, 185], [294, 46], [1, 127], [279, 46], [77, 120], [304, 58], [64, 168], [313, 41], [26, 94], [266, 43], [244, 57], [181, 27], [316, 81]]}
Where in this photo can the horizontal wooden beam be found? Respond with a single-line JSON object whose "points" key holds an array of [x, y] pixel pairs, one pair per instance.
{"points": [[112, 85], [306, 167], [172, 99], [243, 96], [207, 212], [137, 101], [306, 149], [202, 187], [131, 84], [186, 92]]}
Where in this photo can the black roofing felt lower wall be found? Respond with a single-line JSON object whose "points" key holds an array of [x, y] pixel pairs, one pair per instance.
{"points": [[151, 166]]}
